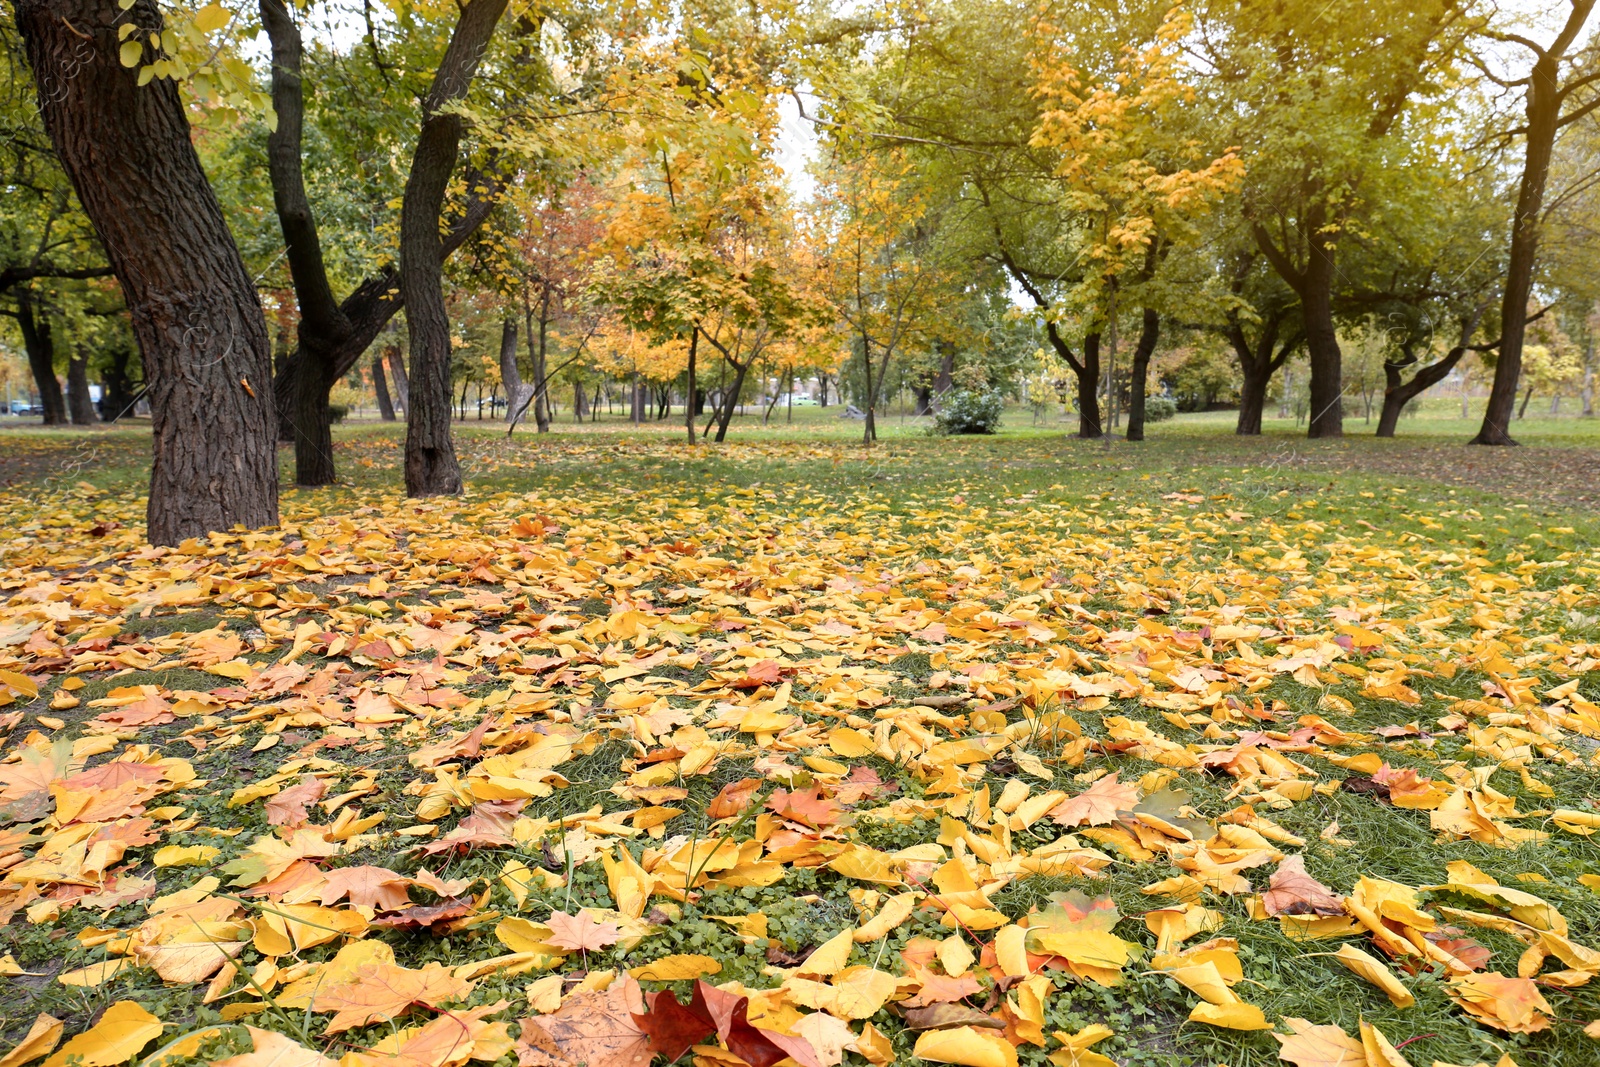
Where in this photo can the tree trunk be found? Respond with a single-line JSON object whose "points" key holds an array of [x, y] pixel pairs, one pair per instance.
{"points": [[129, 153], [869, 428], [580, 403], [39, 342], [313, 423], [730, 399], [1522, 412], [924, 400], [1588, 392], [692, 402], [1252, 400], [947, 364], [1089, 388], [1322, 346], [402, 381], [518, 392], [1397, 394], [380, 385], [1544, 114], [430, 455], [541, 387], [120, 393], [1149, 333], [82, 408], [822, 390]]}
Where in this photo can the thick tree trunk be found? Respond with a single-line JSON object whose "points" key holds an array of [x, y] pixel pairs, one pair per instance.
{"points": [[1322, 347], [313, 424], [78, 401], [1149, 333], [1089, 388], [430, 454], [38, 340], [1252, 401], [380, 385], [1544, 115], [193, 306], [924, 400]]}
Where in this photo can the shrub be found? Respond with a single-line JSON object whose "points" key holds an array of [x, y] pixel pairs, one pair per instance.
{"points": [[969, 411], [1159, 408], [337, 412]]}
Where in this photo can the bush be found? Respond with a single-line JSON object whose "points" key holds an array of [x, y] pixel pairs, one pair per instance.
{"points": [[1159, 408], [337, 412], [969, 411]]}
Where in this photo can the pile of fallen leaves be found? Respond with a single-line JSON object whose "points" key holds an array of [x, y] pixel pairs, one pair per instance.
{"points": [[605, 777]]}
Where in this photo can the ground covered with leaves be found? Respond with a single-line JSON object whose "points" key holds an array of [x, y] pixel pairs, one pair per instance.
{"points": [[991, 753]]}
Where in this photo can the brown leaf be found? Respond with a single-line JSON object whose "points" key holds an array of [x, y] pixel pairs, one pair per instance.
{"points": [[428, 916], [288, 808], [367, 887], [1292, 891], [947, 1016], [590, 1029], [733, 799]]}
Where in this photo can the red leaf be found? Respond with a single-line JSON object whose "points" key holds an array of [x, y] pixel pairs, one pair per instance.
{"points": [[673, 1028]]}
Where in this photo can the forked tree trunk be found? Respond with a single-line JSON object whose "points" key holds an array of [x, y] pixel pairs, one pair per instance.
{"points": [[731, 399], [1149, 333], [1544, 102], [128, 152], [380, 385], [518, 392], [78, 400], [430, 455], [38, 340]]}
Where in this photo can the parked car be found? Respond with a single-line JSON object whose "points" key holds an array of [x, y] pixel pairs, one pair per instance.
{"points": [[799, 400]]}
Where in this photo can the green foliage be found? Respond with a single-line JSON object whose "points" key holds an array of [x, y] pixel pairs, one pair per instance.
{"points": [[964, 411], [1159, 408]]}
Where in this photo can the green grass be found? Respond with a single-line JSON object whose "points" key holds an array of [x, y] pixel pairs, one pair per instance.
{"points": [[943, 502]]}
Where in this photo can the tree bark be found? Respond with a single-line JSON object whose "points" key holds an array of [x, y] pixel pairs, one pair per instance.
{"points": [[38, 340], [1397, 393], [1089, 387], [691, 406], [518, 392], [430, 456], [1252, 401], [380, 385], [1544, 102], [402, 381], [78, 401], [128, 151], [730, 400], [1522, 412], [924, 398], [1313, 284], [1149, 333], [580, 406], [947, 364], [120, 393]]}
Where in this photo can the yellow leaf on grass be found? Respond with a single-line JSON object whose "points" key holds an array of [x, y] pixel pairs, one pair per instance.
{"points": [[275, 1050], [122, 1031], [1380, 1053], [830, 957], [966, 1046], [41, 1038], [1319, 1046], [1374, 971], [1077, 1052], [678, 967], [185, 856], [1235, 1016]]}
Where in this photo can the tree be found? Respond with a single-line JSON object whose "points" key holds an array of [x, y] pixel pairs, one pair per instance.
{"points": [[332, 335], [1132, 173], [430, 455], [1321, 116], [128, 152], [1551, 103], [877, 260]]}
